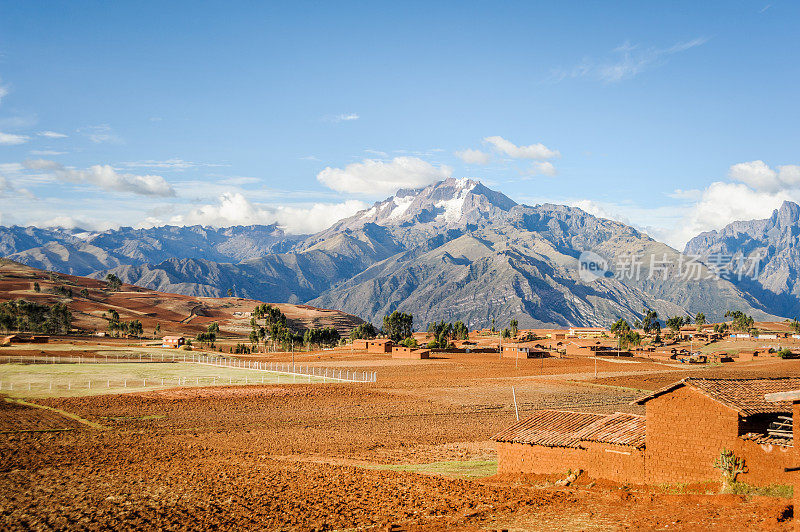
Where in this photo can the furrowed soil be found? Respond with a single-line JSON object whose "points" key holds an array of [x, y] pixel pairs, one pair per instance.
{"points": [[409, 452]]}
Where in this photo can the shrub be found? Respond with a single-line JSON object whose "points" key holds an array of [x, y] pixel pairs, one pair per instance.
{"points": [[730, 466]]}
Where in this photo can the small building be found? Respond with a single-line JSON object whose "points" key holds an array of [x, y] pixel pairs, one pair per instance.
{"points": [[746, 356], [19, 339], [524, 350], [587, 332], [691, 421], [609, 446], [410, 353], [684, 430], [374, 345], [379, 345], [173, 341]]}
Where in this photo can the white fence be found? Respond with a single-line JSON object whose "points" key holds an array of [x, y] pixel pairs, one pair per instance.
{"points": [[285, 368], [290, 368]]}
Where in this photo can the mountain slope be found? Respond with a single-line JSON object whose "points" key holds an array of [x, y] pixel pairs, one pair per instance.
{"points": [[81, 252], [452, 250], [762, 257], [526, 267], [173, 313]]}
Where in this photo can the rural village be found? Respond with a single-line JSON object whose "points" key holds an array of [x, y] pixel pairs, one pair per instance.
{"points": [[399, 266], [446, 428]]}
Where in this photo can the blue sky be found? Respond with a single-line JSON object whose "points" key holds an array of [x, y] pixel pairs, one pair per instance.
{"points": [[676, 117]]}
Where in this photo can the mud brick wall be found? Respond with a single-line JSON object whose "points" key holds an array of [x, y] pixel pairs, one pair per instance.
{"points": [[685, 433], [526, 458], [613, 462], [765, 463], [620, 463]]}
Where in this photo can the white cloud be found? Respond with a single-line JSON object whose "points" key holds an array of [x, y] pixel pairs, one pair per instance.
{"points": [[9, 139], [235, 209], [470, 156], [758, 175], [544, 168], [52, 135], [723, 203], [106, 177], [624, 62], [344, 117], [3, 92], [532, 151], [47, 152], [690, 194], [371, 177], [168, 164], [101, 134]]}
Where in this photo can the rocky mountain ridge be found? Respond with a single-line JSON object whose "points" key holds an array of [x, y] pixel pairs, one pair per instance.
{"points": [[452, 250]]}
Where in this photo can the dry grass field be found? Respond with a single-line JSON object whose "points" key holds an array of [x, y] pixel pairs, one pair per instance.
{"points": [[411, 451]]}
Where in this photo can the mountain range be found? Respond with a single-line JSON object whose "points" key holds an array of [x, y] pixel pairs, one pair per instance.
{"points": [[453, 250], [761, 257]]}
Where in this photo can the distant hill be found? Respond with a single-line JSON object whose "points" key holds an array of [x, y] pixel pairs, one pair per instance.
{"points": [[176, 313], [453, 250]]}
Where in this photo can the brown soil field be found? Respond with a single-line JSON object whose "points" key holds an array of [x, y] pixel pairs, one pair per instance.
{"points": [[378, 456], [177, 314]]}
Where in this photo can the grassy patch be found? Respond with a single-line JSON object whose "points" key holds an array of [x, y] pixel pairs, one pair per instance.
{"points": [[675, 489], [70, 380], [455, 469], [773, 490]]}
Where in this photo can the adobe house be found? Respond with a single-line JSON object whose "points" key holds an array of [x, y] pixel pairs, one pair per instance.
{"points": [[794, 462], [173, 341], [524, 350], [407, 352], [374, 345], [691, 421], [587, 332], [18, 339], [686, 426], [607, 446]]}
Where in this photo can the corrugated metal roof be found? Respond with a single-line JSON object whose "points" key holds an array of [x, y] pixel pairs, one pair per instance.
{"points": [[746, 396], [619, 429], [551, 428]]}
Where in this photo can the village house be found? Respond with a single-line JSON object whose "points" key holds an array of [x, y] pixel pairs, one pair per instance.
{"points": [[410, 353], [587, 332], [374, 345], [524, 350], [173, 341], [19, 339], [606, 446], [684, 429]]}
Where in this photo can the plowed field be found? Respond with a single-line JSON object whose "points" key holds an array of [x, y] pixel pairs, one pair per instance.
{"points": [[410, 452]]}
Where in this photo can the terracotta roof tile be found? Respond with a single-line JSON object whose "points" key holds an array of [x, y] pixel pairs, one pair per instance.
{"points": [[551, 428], [746, 396], [554, 428], [619, 429]]}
